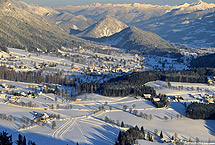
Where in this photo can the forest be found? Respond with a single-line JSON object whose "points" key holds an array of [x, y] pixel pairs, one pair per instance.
{"points": [[130, 84], [35, 77], [132, 134], [201, 111], [133, 84], [203, 61]]}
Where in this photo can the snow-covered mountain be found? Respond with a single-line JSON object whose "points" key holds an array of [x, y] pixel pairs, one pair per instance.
{"points": [[107, 26], [134, 39], [20, 27], [191, 24]]}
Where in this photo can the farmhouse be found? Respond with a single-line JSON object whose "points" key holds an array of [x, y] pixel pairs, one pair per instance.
{"points": [[156, 99], [4, 85], [147, 96], [41, 117], [78, 100]]}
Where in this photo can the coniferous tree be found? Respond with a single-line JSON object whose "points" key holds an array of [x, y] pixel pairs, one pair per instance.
{"points": [[24, 141], [122, 124], [161, 135], [5, 139], [19, 140]]}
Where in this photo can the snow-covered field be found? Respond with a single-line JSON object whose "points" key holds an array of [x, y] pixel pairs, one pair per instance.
{"points": [[152, 62], [80, 124], [85, 120]]}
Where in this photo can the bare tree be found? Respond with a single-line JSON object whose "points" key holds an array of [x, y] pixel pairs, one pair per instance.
{"points": [[53, 124], [125, 107]]}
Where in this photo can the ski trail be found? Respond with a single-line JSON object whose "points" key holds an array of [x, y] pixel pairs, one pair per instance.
{"points": [[67, 128], [61, 128], [82, 132]]}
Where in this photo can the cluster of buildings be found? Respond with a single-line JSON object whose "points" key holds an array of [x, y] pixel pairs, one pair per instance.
{"points": [[204, 97], [119, 68]]}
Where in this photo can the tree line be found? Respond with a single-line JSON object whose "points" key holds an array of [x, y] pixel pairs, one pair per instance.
{"points": [[131, 84], [35, 77], [134, 84], [201, 111]]}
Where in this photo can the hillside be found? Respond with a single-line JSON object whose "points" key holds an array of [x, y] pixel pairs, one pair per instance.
{"points": [[107, 26], [132, 38], [204, 61], [23, 29], [68, 21]]}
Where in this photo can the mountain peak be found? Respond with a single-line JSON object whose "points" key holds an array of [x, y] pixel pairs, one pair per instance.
{"points": [[96, 5], [107, 26], [133, 38], [199, 2]]}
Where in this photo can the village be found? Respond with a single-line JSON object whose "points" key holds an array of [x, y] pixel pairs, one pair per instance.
{"points": [[72, 62], [87, 62]]}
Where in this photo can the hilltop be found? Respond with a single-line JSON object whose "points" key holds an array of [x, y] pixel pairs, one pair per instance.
{"points": [[135, 39], [107, 26]]}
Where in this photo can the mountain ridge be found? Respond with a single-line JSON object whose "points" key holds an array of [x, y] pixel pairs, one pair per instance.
{"points": [[135, 39], [107, 26], [20, 28], [187, 24]]}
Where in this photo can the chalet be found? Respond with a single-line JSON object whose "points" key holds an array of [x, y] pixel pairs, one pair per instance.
{"points": [[156, 99], [13, 98], [46, 65], [4, 85], [41, 117], [195, 97], [23, 94], [147, 96], [210, 101], [77, 100], [202, 95]]}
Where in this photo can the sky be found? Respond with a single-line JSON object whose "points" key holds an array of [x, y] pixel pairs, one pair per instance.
{"points": [[56, 3]]}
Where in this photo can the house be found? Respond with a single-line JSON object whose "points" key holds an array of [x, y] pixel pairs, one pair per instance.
{"points": [[202, 95], [41, 117], [147, 96], [78, 100], [156, 99], [14, 98], [23, 94], [4, 85], [3, 95], [210, 101]]}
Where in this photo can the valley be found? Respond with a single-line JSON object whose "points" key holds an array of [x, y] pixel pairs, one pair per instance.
{"points": [[112, 74]]}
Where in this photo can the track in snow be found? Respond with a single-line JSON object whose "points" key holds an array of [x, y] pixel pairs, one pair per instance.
{"points": [[63, 129]]}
